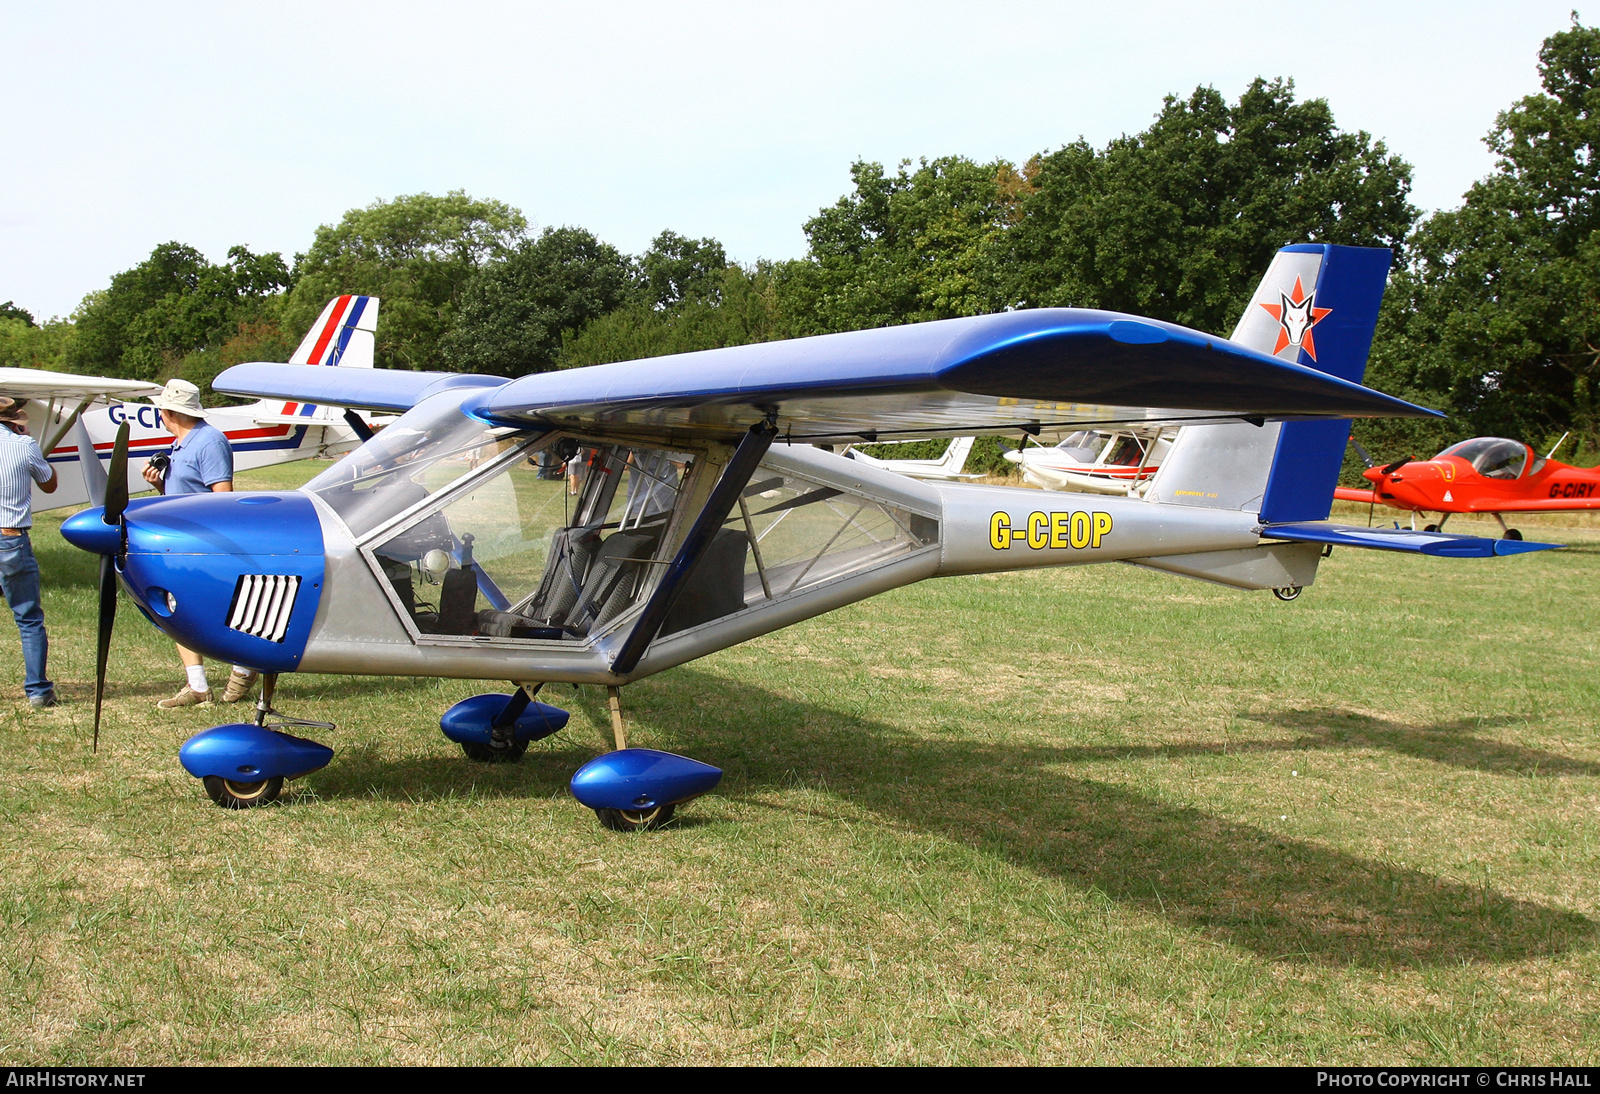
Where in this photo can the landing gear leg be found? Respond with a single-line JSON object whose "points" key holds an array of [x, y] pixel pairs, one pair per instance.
{"points": [[629, 820], [265, 709], [1507, 533], [619, 731]]}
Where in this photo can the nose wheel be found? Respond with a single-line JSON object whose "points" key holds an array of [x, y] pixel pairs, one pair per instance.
{"points": [[243, 765]]}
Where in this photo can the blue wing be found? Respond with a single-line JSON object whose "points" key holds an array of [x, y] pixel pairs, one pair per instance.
{"points": [[993, 373]]}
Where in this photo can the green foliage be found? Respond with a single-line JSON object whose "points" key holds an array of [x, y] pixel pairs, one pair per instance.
{"points": [[514, 313], [105, 319], [9, 310], [253, 340], [1497, 316], [742, 308], [677, 270], [171, 305], [418, 253], [903, 248], [24, 345], [1180, 221]]}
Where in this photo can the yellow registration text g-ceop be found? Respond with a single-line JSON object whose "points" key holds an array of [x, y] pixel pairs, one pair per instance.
{"points": [[1056, 530]]}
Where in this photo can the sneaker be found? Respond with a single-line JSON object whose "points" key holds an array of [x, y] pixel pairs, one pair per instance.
{"points": [[186, 697], [239, 685], [43, 702]]}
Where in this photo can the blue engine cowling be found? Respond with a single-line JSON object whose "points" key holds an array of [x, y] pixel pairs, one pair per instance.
{"points": [[642, 778], [468, 722], [244, 752]]}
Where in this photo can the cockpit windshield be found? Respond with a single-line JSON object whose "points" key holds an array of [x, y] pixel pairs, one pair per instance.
{"points": [[1491, 457], [427, 448]]}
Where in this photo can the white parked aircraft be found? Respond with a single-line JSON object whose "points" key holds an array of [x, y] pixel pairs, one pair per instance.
{"points": [[71, 415], [947, 468], [1095, 461]]}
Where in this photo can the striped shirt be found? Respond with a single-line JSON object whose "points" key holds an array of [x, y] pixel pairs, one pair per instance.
{"points": [[21, 465]]}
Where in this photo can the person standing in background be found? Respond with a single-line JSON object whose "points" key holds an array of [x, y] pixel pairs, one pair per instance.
{"points": [[202, 460], [22, 465]]}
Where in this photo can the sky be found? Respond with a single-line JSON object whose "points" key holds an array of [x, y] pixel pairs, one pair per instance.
{"points": [[219, 124]]}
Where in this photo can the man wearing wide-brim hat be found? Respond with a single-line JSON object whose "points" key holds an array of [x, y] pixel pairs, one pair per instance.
{"points": [[22, 465], [202, 460]]}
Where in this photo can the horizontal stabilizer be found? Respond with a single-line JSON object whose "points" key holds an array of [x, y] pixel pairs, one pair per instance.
{"points": [[364, 389], [1041, 368], [1403, 539]]}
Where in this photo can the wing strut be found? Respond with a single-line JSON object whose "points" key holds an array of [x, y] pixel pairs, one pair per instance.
{"points": [[723, 497]]}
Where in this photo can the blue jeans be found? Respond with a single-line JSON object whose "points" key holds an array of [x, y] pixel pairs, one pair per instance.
{"points": [[19, 578]]}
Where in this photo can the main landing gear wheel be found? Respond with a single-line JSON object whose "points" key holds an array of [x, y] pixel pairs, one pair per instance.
{"points": [[1287, 592], [488, 754], [1512, 533], [238, 795], [1430, 528], [635, 820]]}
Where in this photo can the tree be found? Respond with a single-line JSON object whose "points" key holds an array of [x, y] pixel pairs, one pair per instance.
{"points": [[171, 305], [417, 253], [1497, 315], [1180, 221], [9, 310], [677, 269], [104, 318], [514, 313], [28, 345], [903, 248], [743, 308]]}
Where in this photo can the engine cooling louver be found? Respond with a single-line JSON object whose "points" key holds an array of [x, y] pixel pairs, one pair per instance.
{"points": [[262, 604]]}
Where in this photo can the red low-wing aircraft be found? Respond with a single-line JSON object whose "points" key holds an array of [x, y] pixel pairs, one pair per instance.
{"points": [[1483, 475]]}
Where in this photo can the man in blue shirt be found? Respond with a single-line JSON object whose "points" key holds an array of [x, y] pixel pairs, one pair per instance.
{"points": [[202, 460], [22, 465]]}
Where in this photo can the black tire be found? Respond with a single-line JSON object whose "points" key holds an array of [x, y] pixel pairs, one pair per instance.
{"points": [[1287, 592], [240, 795], [635, 820], [488, 754], [1430, 528], [1512, 533]]}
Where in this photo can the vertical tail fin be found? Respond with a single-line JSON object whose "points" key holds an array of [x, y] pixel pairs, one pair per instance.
{"points": [[1316, 306], [344, 334], [955, 457]]}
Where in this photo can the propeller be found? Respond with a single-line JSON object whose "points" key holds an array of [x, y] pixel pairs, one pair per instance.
{"points": [[1391, 468], [1366, 458], [116, 500]]}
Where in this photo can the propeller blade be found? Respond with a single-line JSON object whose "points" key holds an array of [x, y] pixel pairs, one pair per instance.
{"points": [[116, 499], [1366, 457], [108, 617], [1397, 464]]}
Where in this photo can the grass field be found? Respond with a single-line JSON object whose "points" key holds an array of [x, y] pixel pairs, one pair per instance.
{"points": [[1090, 816]]}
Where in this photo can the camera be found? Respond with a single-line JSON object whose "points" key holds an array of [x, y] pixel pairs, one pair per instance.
{"points": [[160, 463]]}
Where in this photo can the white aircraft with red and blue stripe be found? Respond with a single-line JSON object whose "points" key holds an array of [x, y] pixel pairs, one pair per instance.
{"points": [[70, 415]]}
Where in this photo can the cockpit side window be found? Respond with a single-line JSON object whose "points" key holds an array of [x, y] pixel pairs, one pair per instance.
{"points": [[556, 546]]}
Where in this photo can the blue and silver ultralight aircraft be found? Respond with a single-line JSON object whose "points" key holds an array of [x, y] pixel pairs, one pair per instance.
{"points": [[698, 510]]}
